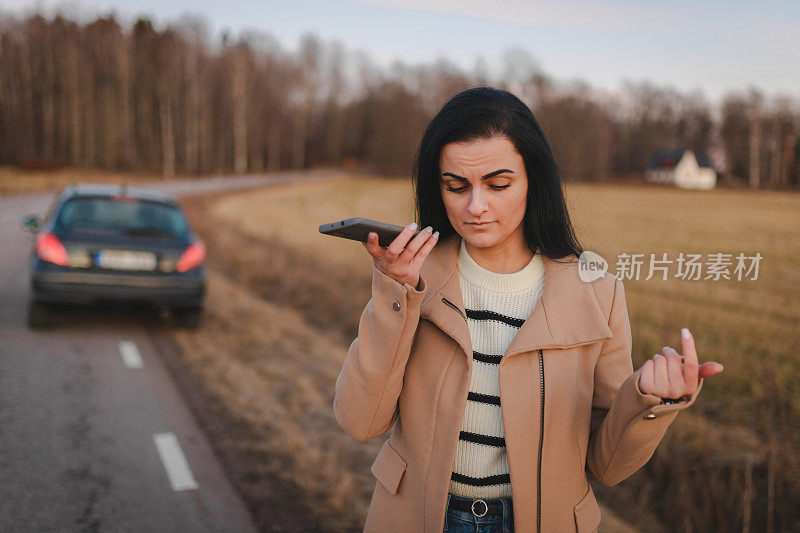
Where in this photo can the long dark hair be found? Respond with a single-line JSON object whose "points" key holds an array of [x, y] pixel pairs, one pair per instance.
{"points": [[482, 113]]}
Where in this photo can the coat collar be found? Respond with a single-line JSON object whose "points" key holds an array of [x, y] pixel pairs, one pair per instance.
{"points": [[567, 314]]}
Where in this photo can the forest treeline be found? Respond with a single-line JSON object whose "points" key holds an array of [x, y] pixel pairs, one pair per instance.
{"points": [[175, 101]]}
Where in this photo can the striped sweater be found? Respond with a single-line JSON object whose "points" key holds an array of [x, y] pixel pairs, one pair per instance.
{"points": [[496, 306]]}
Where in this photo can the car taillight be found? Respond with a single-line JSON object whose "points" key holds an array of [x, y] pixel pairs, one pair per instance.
{"points": [[192, 257], [50, 249]]}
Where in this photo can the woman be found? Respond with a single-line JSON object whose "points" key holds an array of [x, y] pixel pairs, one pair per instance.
{"points": [[501, 374]]}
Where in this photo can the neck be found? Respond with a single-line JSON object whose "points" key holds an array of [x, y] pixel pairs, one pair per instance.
{"points": [[503, 258]]}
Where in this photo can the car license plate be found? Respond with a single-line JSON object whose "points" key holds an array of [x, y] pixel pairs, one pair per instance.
{"points": [[126, 260]]}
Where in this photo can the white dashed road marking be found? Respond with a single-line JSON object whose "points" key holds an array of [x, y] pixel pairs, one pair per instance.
{"points": [[174, 461], [130, 354]]}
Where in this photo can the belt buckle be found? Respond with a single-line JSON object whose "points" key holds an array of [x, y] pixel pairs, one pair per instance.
{"points": [[485, 508]]}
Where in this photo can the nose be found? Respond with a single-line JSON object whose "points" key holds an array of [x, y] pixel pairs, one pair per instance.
{"points": [[477, 203]]}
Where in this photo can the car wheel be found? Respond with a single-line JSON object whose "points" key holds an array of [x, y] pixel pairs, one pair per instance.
{"points": [[40, 314], [188, 317]]}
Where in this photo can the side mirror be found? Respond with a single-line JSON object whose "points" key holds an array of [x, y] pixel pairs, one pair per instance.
{"points": [[31, 223]]}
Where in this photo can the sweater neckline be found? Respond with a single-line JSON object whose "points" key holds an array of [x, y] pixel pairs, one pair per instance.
{"points": [[523, 280]]}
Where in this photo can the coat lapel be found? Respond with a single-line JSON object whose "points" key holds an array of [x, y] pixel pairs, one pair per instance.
{"points": [[567, 314], [440, 272]]}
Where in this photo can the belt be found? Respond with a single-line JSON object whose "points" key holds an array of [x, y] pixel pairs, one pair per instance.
{"points": [[477, 507]]}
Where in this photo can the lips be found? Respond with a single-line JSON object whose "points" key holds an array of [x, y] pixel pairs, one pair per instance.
{"points": [[479, 225]]}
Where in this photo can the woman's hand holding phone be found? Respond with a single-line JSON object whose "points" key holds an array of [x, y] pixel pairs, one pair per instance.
{"points": [[403, 258]]}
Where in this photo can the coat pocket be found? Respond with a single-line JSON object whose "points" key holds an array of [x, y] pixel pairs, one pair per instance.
{"points": [[587, 513], [389, 467]]}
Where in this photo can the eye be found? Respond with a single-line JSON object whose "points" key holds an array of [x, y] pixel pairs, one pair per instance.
{"points": [[456, 189], [499, 187]]}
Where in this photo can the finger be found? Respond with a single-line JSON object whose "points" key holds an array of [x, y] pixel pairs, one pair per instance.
{"points": [[677, 387], [425, 250], [676, 373], [416, 243], [646, 382], [687, 342], [709, 369], [690, 363], [372, 245], [666, 350], [399, 242], [660, 376]]}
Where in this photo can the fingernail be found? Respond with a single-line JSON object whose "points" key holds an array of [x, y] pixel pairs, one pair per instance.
{"points": [[373, 235], [658, 355], [413, 225], [685, 333], [436, 235], [664, 348], [428, 229]]}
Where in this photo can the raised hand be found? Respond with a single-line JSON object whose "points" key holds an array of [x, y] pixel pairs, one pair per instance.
{"points": [[402, 259], [671, 375]]}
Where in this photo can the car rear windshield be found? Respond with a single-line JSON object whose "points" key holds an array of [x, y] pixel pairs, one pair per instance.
{"points": [[126, 216]]}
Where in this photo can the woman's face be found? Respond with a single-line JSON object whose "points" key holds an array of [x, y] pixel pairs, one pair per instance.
{"points": [[485, 187]]}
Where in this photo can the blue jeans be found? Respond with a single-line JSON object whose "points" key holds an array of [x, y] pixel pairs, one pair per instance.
{"points": [[457, 521]]}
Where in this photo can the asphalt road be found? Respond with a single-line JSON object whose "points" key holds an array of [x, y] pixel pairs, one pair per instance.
{"points": [[94, 435]]}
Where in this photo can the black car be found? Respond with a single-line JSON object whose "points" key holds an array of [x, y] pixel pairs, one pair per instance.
{"points": [[116, 243]]}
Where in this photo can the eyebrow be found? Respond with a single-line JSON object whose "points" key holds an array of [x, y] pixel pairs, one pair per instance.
{"points": [[486, 177]]}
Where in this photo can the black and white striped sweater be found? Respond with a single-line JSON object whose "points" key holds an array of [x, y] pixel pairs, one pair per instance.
{"points": [[496, 306]]}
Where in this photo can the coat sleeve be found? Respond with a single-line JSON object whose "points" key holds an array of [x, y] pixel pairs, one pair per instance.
{"points": [[626, 424], [369, 385]]}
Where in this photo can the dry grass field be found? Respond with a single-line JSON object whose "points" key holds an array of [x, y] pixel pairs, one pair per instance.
{"points": [[284, 304], [14, 180]]}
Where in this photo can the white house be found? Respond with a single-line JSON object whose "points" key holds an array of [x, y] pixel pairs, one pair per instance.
{"points": [[683, 168]]}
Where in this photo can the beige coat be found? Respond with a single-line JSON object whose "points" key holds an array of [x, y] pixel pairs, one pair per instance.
{"points": [[568, 372]]}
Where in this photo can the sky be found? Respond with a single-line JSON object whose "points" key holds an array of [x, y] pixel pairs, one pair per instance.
{"points": [[715, 46]]}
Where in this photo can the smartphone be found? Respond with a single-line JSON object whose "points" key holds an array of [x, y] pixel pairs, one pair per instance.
{"points": [[358, 229]]}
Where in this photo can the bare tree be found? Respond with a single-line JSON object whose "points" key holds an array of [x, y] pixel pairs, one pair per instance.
{"points": [[170, 101], [520, 72], [755, 101], [239, 101]]}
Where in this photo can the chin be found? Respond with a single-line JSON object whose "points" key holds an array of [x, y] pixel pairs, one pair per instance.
{"points": [[479, 240]]}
